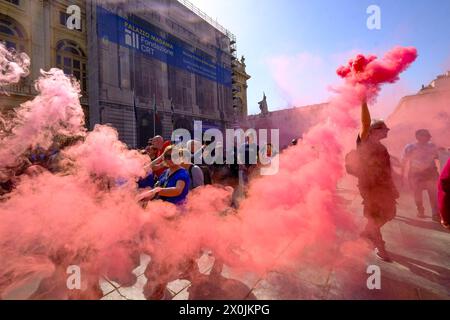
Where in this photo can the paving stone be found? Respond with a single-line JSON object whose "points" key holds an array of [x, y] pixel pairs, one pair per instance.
{"points": [[421, 270], [145, 260], [23, 291], [135, 292], [107, 286], [114, 295], [179, 289], [287, 287], [205, 263]]}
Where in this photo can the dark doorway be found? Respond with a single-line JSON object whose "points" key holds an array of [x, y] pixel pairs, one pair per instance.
{"points": [[145, 127], [183, 123]]}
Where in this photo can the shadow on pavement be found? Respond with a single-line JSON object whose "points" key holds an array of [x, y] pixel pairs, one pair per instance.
{"points": [[219, 288], [431, 225], [436, 274]]}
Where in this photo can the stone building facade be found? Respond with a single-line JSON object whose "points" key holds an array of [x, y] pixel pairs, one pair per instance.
{"points": [[145, 66], [159, 65], [292, 123], [240, 78], [38, 27], [427, 109]]}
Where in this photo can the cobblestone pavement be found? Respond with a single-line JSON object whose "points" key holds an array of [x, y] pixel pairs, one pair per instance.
{"points": [[421, 270]]}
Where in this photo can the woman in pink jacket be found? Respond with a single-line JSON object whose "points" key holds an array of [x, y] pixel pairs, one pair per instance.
{"points": [[444, 196]]}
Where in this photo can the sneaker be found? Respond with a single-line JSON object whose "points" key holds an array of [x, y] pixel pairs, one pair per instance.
{"points": [[421, 215], [445, 225], [155, 293], [366, 236], [383, 255], [436, 218]]}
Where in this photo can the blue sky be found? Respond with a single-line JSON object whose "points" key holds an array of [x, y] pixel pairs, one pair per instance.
{"points": [[293, 47]]}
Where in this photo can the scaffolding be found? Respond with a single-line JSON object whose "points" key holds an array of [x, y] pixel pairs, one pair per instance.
{"points": [[213, 23]]}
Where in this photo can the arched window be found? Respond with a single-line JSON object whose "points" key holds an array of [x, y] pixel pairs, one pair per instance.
{"points": [[12, 33], [71, 59]]}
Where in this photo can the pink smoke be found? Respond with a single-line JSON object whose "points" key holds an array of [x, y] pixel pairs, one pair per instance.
{"points": [[56, 110], [300, 205], [372, 72], [297, 216], [76, 217], [62, 221], [13, 66], [103, 154]]}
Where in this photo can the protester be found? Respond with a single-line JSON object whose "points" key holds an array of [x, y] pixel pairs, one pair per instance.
{"points": [[149, 181], [420, 166], [375, 180], [173, 184], [444, 196], [195, 172], [195, 148], [266, 151], [265, 158], [197, 158], [248, 159], [444, 156], [294, 142], [234, 165], [152, 152], [159, 145]]}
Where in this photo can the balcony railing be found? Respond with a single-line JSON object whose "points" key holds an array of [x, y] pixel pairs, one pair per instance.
{"points": [[21, 89], [27, 90]]}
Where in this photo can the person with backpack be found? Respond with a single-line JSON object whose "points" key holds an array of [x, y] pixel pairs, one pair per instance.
{"points": [[196, 150], [195, 172], [375, 181]]}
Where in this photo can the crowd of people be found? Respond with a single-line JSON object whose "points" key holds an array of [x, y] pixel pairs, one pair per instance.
{"points": [[424, 167], [175, 169]]}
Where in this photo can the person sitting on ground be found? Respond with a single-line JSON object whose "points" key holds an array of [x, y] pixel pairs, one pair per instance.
{"points": [[375, 181], [444, 196], [173, 184], [420, 166]]}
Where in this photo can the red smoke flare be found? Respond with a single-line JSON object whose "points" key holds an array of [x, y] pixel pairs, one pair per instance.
{"points": [[372, 72]]}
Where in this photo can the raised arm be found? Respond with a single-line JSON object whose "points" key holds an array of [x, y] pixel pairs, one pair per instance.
{"points": [[365, 121]]}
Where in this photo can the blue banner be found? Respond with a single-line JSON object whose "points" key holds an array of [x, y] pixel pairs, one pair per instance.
{"points": [[134, 36]]}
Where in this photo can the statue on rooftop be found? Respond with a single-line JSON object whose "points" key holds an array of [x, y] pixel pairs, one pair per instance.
{"points": [[263, 105]]}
